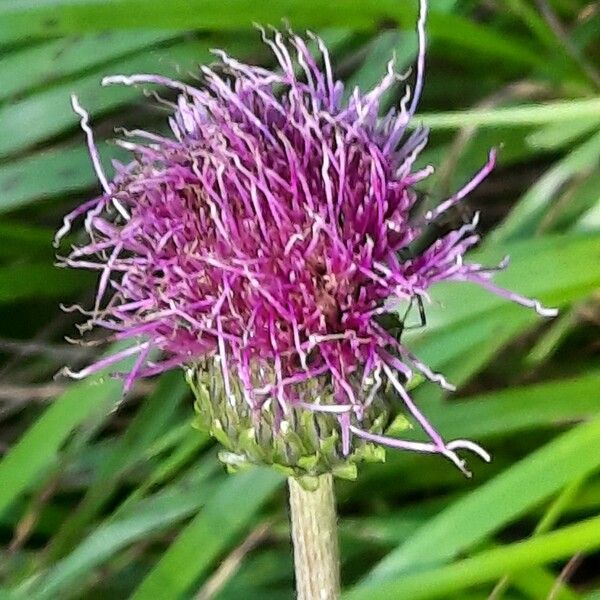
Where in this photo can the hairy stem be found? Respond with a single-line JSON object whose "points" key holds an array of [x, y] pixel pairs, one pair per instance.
{"points": [[314, 534]]}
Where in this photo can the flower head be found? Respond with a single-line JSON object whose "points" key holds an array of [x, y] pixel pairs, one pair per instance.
{"points": [[259, 245]]}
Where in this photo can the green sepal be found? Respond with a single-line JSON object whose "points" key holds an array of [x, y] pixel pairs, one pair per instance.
{"points": [[345, 471], [306, 444], [398, 426], [218, 432], [287, 471], [234, 462], [308, 482]]}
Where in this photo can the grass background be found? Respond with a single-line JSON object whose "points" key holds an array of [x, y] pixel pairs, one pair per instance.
{"points": [[132, 503]]}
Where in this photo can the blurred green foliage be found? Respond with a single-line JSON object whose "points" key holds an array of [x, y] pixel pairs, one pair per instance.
{"points": [[98, 503]]}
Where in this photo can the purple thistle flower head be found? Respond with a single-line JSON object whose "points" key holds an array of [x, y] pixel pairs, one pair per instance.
{"points": [[258, 247]]}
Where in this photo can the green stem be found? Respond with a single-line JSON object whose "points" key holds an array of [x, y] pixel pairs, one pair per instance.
{"points": [[314, 535]]}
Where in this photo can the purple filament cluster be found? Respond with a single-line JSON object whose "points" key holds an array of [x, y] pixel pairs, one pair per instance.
{"points": [[266, 234]]}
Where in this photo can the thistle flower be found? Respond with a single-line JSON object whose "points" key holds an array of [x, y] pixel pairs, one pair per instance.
{"points": [[258, 247]]}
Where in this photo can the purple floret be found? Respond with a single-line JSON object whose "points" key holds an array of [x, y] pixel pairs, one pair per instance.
{"points": [[267, 233]]}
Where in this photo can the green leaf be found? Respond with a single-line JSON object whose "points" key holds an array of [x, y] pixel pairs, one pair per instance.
{"points": [[486, 566], [485, 418], [526, 216], [49, 112], [557, 135], [552, 337], [581, 195], [21, 240], [226, 515], [461, 349], [154, 417], [528, 114], [470, 520], [182, 453], [402, 45], [63, 171], [394, 528], [549, 519], [551, 268], [42, 64], [540, 582], [21, 281], [469, 325], [471, 36], [147, 517], [56, 17], [589, 221], [530, 16], [519, 408], [37, 450]]}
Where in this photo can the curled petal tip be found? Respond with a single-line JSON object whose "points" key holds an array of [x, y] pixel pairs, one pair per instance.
{"points": [[469, 445], [545, 312], [450, 449], [459, 462], [110, 80], [67, 372]]}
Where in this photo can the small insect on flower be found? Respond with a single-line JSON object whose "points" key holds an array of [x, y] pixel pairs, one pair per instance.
{"points": [[260, 245]]}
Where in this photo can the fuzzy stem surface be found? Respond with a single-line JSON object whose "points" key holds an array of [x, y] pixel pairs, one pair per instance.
{"points": [[315, 539]]}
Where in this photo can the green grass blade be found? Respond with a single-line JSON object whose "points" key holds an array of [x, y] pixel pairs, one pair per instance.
{"points": [[582, 194], [538, 582], [228, 512], [516, 409], [148, 516], [533, 20], [466, 326], [38, 448], [63, 171], [469, 520], [485, 418], [48, 113], [558, 135], [60, 17], [154, 417], [551, 268], [589, 222], [486, 566], [524, 219], [552, 337], [21, 239], [181, 455], [393, 529], [21, 281], [470, 36], [29, 121], [402, 45], [551, 516], [525, 115], [42, 64]]}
